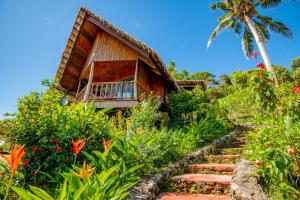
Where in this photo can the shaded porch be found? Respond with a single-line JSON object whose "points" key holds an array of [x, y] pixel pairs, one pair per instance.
{"points": [[112, 84]]}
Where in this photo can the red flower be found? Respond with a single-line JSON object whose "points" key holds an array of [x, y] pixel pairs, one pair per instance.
{"points": [[254, 54], [296, 89], [291, 152], [36, 148], [58, 148], [67, 158], [55, 140], [258, 163], [77, 146], [260, 65], [25, 162]]}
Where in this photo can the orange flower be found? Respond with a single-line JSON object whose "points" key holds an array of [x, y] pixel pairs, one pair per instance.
{"points": [[106, 144], [77, 146], [85, 171], [291, 152], [15, 157]]}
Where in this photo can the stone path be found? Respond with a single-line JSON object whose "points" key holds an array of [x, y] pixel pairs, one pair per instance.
{"points": [[206, 181]]}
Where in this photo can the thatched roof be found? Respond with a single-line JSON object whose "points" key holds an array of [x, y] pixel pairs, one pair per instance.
{"points": [[86, 15]]}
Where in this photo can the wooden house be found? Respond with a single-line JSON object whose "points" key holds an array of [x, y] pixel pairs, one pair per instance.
{"points": [[105, 65]]}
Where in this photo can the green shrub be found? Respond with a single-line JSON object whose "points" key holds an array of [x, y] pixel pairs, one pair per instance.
{"points": [[275, 142], [144, 116], [112, 183], [47, 126]]}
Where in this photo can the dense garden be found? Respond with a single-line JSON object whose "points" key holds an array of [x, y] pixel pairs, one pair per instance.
{"points": [[55, 149], [60, 150], [65, 148]]}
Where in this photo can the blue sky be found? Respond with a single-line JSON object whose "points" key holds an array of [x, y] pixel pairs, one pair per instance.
{"points": [[34, 34]]}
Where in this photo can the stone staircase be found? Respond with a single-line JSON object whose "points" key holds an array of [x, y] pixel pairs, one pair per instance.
{"points": [[206, 181]]}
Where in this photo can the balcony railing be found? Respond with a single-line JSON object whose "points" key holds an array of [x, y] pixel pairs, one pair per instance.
{"points": [[100, 91]]}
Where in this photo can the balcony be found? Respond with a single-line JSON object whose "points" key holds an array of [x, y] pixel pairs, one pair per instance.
{"points": [[112, 94]]}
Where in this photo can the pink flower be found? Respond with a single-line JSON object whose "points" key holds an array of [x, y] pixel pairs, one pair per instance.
{"points": [[296, 89], [254, 54], [260, 65]]}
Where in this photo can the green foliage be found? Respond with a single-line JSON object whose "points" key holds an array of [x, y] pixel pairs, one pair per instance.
{"points": [[295, 65], [274, 147], [112, 183], [241, 105], [262, 84], [240, 79], [47, 125], [144, 116], [208, 77]]}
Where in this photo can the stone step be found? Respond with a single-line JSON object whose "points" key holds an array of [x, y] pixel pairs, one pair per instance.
{"points": [[203, 178], [226, 151], [212, 168], [187, 196], [241, 139], [223, 158], [237, 143]]}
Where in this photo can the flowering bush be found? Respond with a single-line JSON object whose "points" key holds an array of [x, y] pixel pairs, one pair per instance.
{"points": [[275, 143], [47, 126]]}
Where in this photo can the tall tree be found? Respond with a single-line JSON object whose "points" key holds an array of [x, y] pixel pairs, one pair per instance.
{"points": [[295, 64], [208, 77], [225, 80], [243, 18]]}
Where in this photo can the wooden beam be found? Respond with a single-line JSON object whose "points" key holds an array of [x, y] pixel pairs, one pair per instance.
{"points": [[91, 76], [78, 88], [135, 79]]}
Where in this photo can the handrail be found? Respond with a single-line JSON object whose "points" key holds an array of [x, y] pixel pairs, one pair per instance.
{"points": [[112, 90], [122, 90]]}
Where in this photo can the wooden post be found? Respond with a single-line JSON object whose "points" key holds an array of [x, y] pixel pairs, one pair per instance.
{"points": [[135, 79], [87, 92], [78, 89]]}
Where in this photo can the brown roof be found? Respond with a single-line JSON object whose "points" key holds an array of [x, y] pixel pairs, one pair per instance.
{"points": [[85, 14], [190, 82]]}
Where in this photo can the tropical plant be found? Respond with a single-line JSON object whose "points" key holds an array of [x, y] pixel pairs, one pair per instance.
{"points": [[47, 127], [208, 77], [144, 116], [111, 183], [225, 80], [242, 17]]}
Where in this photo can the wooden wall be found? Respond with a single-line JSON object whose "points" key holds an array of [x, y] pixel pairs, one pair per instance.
{"points": [[108, 48], [150, 81]]}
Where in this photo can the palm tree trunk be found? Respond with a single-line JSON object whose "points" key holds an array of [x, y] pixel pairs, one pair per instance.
{"points": [[262, 49]]}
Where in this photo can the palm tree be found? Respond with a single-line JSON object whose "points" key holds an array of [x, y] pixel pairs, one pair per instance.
{"points": [[243, 18]]}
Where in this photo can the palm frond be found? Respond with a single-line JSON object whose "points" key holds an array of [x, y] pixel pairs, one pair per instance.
{"points": [[262, 31], [277, 27], [218, 6], [281, 28], [227, 15], [237, 28], [218, 29], [270, 3], [247, 42]]}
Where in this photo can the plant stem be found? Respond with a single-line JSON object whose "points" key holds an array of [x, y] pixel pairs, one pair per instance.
{"points": [[7, 187]]}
